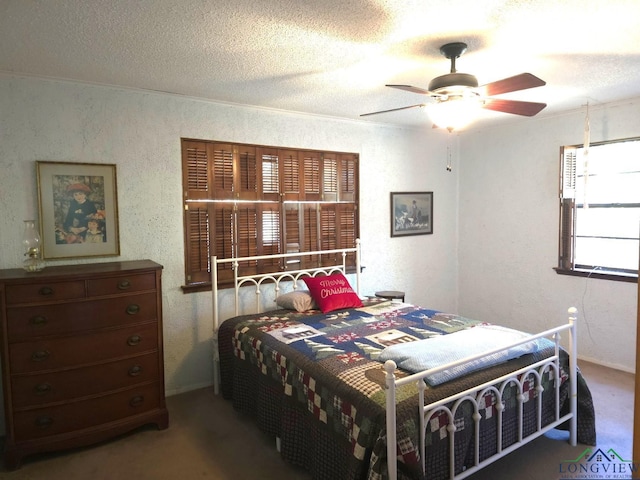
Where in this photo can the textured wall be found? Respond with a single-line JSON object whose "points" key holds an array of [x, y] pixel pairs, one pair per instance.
{"points": [[509, 217], [140, 132]]}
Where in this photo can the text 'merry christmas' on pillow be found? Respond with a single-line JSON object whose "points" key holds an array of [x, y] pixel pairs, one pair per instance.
{"points": [[332, 292]]}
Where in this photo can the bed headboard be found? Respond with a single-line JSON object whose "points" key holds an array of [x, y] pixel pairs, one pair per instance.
{"points": [[276, 278]]}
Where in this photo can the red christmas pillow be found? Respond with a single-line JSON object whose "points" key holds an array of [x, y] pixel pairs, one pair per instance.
{"points": [[332, 292]]}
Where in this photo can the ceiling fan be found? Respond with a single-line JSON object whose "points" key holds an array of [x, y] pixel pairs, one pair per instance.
{"points": [[457, 95]]}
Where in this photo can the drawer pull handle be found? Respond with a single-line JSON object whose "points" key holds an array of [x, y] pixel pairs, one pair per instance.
{"points": [[135, 371], [46, 291], [133, 309], [38, 321], [40, 356], [42, 389], [124, 285], [134, 340], [44, 422], [136, 401]]}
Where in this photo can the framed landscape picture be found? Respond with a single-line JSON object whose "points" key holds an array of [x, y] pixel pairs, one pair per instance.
{"points": [[411, 213], [78, 208]]}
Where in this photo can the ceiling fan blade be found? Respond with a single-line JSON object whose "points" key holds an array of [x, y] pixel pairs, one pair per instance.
{"points": [[517, 107], [409, 88], [392, 110], [511, 84]]}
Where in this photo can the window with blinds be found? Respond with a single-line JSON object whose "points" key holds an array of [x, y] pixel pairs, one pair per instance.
{"points": [[250, 200], [600, 209]]}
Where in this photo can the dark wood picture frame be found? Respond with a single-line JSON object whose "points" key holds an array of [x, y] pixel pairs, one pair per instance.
{"points": [[411, 213]]}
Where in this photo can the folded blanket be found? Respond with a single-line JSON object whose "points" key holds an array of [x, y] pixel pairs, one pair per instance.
{"points": [[443, 349]]}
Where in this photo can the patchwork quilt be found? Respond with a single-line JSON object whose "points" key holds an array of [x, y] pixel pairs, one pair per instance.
{"points": [[315, 381]]}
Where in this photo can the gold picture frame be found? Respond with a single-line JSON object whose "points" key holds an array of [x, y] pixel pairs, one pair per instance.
{"points": [[78, 207]]}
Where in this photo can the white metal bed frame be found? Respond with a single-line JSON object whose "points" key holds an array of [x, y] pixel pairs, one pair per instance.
{"points": [[276, 278], [426, 411]]}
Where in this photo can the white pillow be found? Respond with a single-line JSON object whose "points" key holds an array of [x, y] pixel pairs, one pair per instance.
{"points": [[298, 300]]}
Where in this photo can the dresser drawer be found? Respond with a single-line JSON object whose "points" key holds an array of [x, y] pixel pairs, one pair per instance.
{"points": [[81, 350], [44, 292], [27, 322], [43, 422], [45, 388], [123, 284]]}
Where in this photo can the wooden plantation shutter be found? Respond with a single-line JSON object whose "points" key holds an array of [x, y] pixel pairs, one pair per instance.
{"points": [[247, 171], [567, 218], [196, 185], [311, 227], [337, 229], [347, 229], [567, 207], [196, 170], [247, 238], [311, 176], [247, 200], [270, 174], [328, 232], [310, 233], [222, 157], [269, 236], [330, 178], [302, 232], [197, 243], [222, 237], [348, 177], [290, 174], [292, 228], [258, 233]]}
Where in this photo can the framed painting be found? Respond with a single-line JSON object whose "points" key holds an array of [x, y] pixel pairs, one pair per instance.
{"points": [[78, 208], [411, 213]]}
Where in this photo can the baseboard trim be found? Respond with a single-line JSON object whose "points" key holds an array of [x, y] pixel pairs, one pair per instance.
{"points": [[185, 389], [615, 366]]}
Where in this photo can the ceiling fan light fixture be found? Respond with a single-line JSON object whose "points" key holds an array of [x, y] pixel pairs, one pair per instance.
{"points": [[443, 83], [454, 113], [459, 98]]}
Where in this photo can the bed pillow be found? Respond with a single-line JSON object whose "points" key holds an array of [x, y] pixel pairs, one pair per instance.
{"points": [[332, 292], [298, 300]]}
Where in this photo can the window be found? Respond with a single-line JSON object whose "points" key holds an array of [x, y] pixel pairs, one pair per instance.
{"points": [[600, 210], [250, 200]]}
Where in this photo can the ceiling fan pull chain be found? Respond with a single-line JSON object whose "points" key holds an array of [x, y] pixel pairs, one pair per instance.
{"points": [[585, 155]]}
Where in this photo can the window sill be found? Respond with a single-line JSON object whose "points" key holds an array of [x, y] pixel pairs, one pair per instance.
{"points": [[603, 275], [204, 287]]}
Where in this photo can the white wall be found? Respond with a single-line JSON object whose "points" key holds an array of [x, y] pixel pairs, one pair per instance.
{"points": [[508, 244], [140, 132]]}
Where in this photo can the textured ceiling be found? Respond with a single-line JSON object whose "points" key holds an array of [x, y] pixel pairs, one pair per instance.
{"points": [[329, 57]]}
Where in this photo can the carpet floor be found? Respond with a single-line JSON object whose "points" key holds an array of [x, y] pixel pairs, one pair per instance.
{"points": [[208, 439]]}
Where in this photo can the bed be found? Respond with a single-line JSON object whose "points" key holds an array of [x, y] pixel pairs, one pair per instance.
{"points": [[345, 395]]}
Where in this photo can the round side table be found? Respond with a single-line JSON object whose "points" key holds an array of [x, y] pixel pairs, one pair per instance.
{"points": [[390, 295]]}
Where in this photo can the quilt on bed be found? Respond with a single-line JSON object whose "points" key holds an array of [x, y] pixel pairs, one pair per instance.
{"points": [[315, 381]]}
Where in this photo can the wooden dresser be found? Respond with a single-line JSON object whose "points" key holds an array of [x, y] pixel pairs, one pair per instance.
{"points": [[81, 354]]}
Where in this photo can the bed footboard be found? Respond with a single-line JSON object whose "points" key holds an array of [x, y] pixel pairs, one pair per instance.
{"points": [[476, 395]]}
